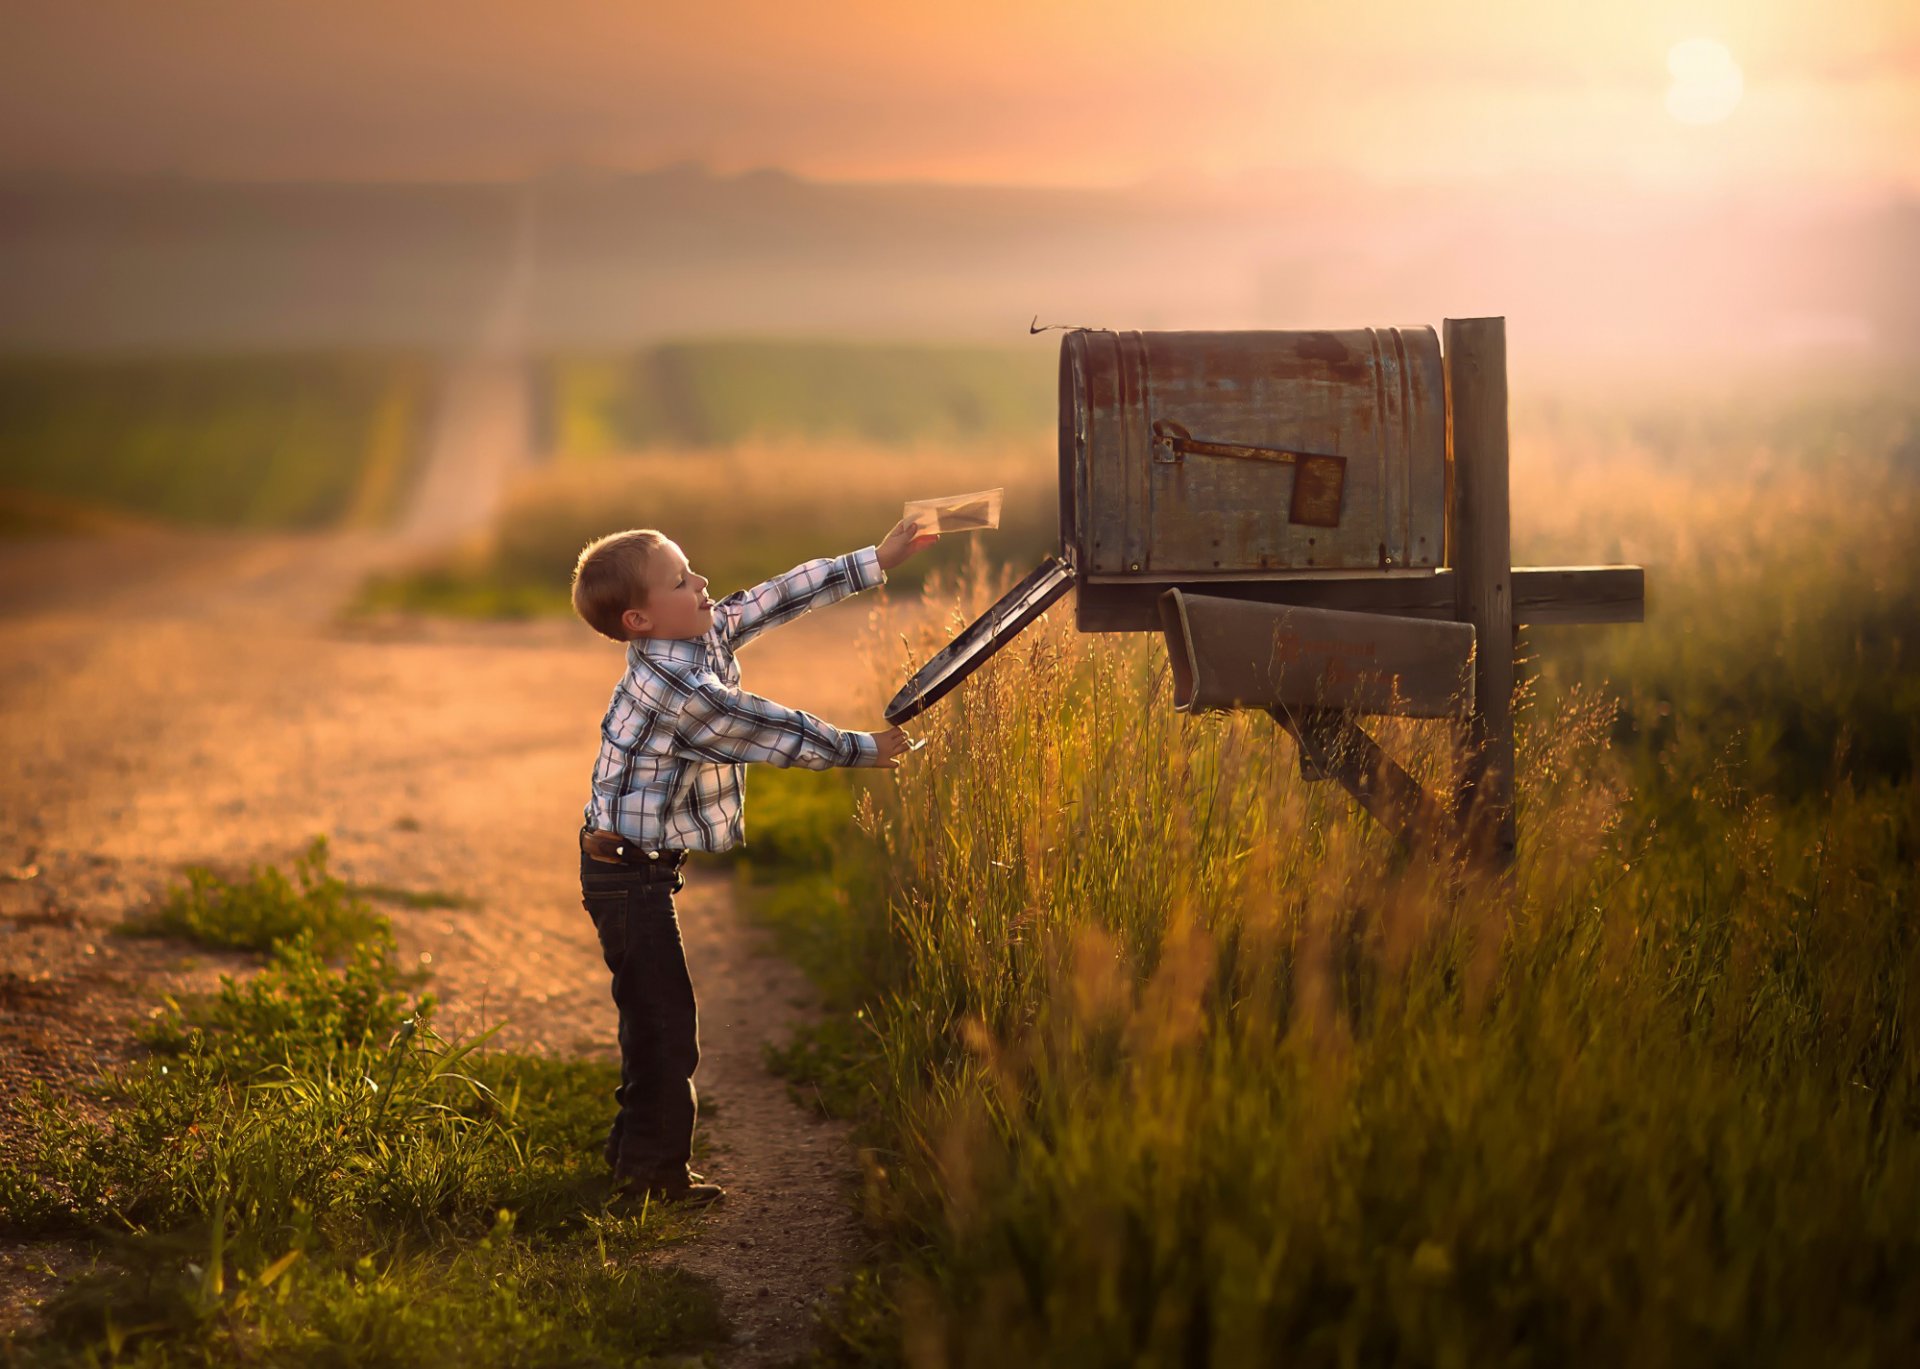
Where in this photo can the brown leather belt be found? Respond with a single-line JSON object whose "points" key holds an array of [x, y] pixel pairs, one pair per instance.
{"points": [[614, 849]]}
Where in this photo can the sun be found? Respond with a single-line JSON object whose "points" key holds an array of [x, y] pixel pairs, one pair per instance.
{"points": [[1705, 84]]}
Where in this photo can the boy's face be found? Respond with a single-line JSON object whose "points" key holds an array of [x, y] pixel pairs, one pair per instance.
{"points": [[677, 603]]}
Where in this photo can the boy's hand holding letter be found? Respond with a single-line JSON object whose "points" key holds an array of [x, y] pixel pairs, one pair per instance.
{"points": [[903, 541]]}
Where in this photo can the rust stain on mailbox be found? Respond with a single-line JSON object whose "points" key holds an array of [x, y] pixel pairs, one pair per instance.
{"points": [[1234, 653], [1318, 480], [1251, 454]]}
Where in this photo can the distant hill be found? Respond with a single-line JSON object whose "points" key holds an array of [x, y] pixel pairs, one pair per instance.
{"points": [[598, 261]]}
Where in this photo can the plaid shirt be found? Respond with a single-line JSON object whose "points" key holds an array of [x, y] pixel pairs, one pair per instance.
{"points": [[679, 732]]}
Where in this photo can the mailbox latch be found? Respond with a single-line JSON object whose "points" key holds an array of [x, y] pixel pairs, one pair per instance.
{"points": [[1319, 480]]}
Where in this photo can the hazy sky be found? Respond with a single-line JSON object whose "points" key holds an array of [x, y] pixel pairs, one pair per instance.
{"points": [[1034, 91]]}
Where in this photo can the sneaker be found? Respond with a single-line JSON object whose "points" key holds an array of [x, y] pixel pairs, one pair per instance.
{"points": [[691, 1191]]}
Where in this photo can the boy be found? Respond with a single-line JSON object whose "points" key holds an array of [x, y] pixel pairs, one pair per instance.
{"points": [[673, 747]]}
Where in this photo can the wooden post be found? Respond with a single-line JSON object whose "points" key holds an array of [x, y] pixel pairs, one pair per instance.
{"points": [[1333, 746], [1481, 552]]}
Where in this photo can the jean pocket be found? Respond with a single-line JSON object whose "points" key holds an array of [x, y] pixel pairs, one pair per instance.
{"points": [[608, 909], [655, 897]]}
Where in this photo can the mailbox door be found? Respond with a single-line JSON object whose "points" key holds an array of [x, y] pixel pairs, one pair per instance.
{"points": [[1008, 617], [1374, 398]]}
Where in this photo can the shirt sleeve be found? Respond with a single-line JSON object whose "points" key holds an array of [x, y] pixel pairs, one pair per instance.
{"points": [[745, 614], [724, 723]]}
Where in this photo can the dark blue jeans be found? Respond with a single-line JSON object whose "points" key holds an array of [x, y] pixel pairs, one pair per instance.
{"points": [[651, 1139]]}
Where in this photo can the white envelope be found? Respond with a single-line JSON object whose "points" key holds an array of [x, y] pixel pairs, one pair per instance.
{"points": [[957, 512]]}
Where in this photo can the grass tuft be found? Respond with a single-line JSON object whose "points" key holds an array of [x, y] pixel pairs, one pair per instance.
{"points": [[263, 909]]}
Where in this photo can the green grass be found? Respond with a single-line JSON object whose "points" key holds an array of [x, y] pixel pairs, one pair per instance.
{"points": [[297, 441], [719, 393], [404, 897], [1163, 1055], [304, 1172], [266, 907]]}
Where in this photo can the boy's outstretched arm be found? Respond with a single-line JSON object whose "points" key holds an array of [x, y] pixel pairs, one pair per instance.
{"points": [[745, 614], [719, 722]]}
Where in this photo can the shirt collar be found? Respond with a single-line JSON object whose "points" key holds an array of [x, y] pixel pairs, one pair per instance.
{"points": [[687, 651]]}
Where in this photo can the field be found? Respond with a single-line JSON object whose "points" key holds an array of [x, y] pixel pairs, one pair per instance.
{"points": [[741, 514], [716, 394], [1165, 1056], [755, 457], [1158, 1053], [299, 441]]}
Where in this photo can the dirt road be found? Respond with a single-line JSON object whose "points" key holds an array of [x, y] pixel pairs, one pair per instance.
{"points": [[167, 699]]}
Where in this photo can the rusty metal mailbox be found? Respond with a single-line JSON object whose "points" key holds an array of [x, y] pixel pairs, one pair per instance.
{"points": [[1241, 462], [1248, 455], [1317, 522]]}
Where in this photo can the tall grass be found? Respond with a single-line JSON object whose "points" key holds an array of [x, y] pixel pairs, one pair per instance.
{"points": [[1782, 598], [1169, 1057]]}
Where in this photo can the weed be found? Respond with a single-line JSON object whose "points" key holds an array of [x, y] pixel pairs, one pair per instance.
{"points": [[264, 908]]}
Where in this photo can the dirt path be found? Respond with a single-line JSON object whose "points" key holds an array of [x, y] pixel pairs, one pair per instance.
{"points": [[168, 699]]}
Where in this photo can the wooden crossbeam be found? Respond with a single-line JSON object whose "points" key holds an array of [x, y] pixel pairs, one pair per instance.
{"points": [[1542, 595]]}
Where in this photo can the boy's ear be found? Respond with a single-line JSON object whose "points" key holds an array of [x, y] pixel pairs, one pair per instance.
{"points": [[636, 622]]}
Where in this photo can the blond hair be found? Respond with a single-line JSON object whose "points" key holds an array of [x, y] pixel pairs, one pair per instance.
{"points": [[611, 577]]}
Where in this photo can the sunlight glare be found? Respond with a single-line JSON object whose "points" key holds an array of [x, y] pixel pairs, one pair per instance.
{"points": [[1706, 82]]}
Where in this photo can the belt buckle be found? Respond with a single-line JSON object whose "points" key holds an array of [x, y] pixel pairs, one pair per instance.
{"points": [[614, 849], [609, 848]]}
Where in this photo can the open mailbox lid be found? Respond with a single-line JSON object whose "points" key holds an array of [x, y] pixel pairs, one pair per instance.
{"points": [[1008, 617]]}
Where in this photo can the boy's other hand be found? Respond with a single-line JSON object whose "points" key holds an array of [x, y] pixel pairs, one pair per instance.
{"points": [[893, 745], [905, 540]]}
